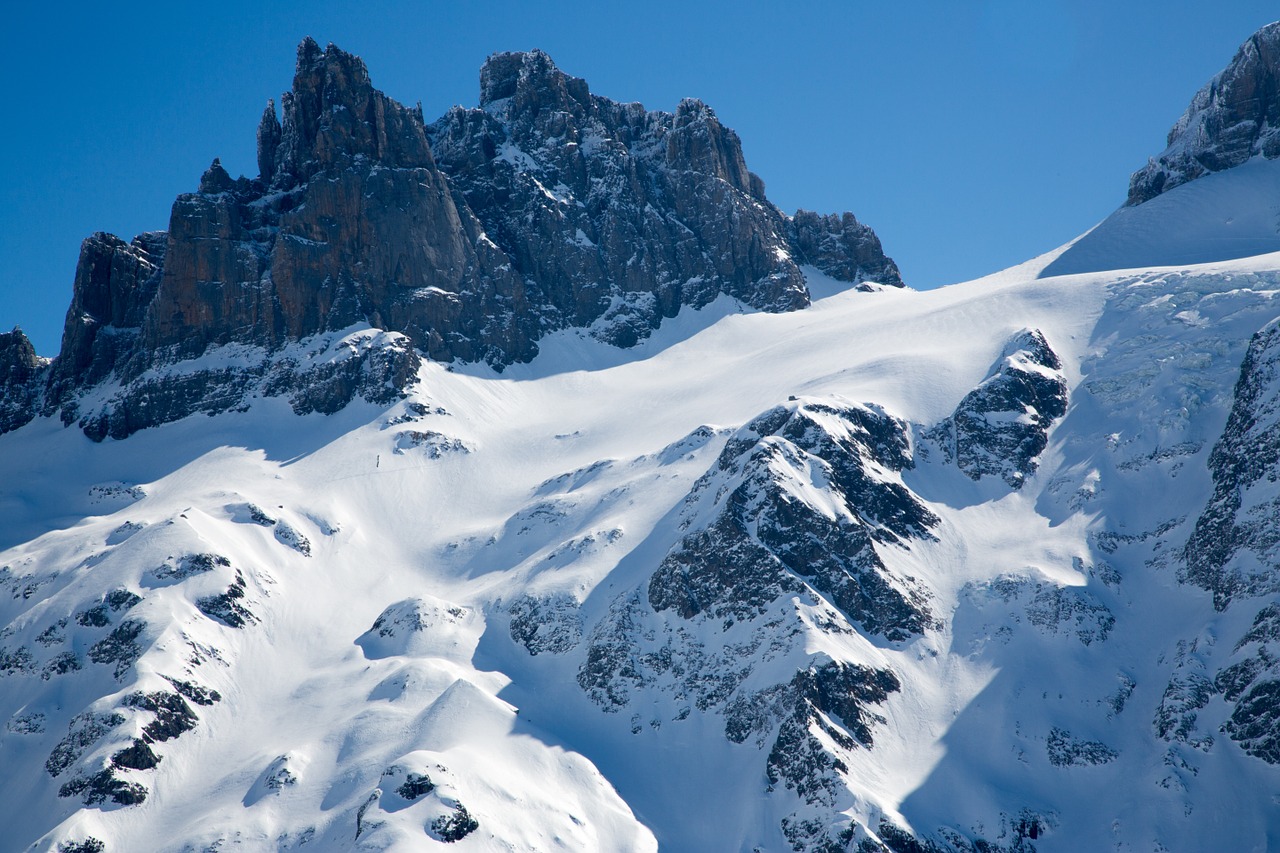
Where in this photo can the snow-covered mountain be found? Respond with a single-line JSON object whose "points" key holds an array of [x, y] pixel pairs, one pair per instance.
{"points": [[634, 528]]}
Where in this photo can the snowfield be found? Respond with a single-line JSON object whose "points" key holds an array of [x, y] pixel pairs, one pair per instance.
{"points": [[398, 609]]}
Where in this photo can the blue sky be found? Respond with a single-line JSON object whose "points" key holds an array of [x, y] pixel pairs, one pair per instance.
{"points": [[970, 136]]}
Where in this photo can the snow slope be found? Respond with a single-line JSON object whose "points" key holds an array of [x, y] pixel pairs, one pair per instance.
{"points": [[1218, 217], [422, 587]]}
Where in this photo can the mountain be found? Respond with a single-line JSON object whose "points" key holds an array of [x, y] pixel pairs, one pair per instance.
{"points": [[696, 532], [1234, 118], [546, 208]]}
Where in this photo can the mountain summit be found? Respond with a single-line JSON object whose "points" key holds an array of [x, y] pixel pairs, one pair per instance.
{"points": [[1235, 117], [992, 568], [1213, 194], [545, 208]]}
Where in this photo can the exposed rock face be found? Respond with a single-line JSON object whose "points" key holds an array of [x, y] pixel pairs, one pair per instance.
{"points": [[1001, 427], [115, 281], [1234, 548], [1252, 686], [1234, 117], [618, 215], [321, 375], [782, 539], [842, 247], [816, 697], [548, 207], [767, 540], [21, 372], [353, 224]]}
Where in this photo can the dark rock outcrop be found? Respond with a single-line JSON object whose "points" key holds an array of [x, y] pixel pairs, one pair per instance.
{"points": [[173, 716], [1251, 685], [1065, 750], [84, 731], [1234, 547], [549, 624], [416, 785], [21, 375], [1233, 118], [114, 285], [767, 540], [227, 607], [89, 845], [102, 786], [832, 697], [547, 207], [1001, 427], [120, 647], [842, 247], [454, 826]]}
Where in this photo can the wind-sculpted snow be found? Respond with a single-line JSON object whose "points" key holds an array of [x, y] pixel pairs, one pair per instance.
{"points": [[84, 645], [109, 694]]}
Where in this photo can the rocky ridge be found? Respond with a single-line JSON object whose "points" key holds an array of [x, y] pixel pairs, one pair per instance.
{"points": [[545, 208], [1048, 621], [1235, 116], [1233, 548], [781, 553], [1001, 427]]}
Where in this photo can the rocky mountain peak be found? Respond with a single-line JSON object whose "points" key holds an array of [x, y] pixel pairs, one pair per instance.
{"points": [[216, 179], [332, 116], [269, 133], [1235, 116], [545, 208], [530, 82], [699, 142], [114, 285], [19, 379]]}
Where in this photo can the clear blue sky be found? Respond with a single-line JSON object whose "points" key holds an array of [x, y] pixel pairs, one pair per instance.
{"points": [[970, 136]]}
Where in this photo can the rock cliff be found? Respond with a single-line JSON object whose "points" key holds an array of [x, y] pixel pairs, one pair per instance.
{"points": [[1235, 116], [20, 372], [1001, 427], [547, 207]]}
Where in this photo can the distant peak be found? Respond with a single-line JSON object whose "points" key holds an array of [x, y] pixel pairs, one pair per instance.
{"points": [[308, 51], [331, 115], [693, 109], [332, 59], [531, 73]]}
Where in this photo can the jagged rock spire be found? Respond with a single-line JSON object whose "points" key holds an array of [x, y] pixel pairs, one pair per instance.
{"points": [[268, 142], [333, 115], [550, 208]]}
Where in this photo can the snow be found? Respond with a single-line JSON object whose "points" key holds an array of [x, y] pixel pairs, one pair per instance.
{"points": [[1218, 217], [387, 651]]}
